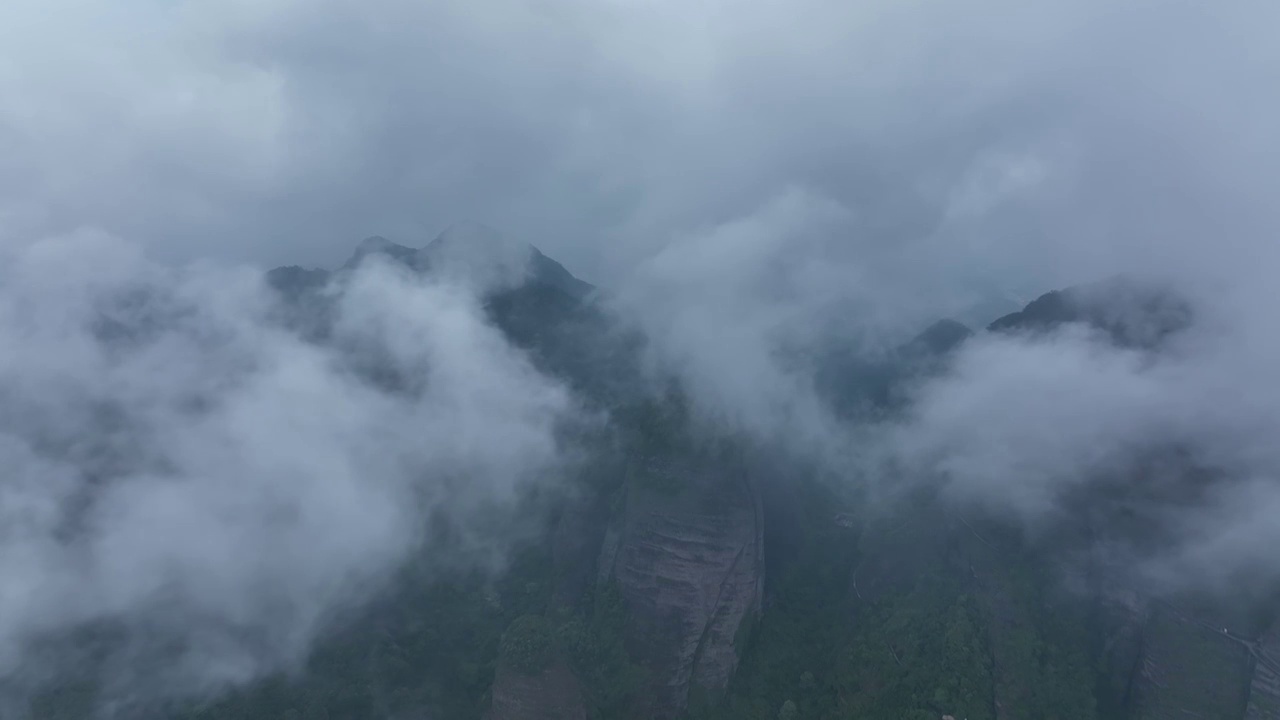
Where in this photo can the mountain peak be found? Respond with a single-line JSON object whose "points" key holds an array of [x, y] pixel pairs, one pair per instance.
{"points": [[378, 245], [473, 253], [479, 254], [374, 243], [1131, 311]]}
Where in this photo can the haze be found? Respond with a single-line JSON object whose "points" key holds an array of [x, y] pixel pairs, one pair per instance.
{"points": [[742, 180]]}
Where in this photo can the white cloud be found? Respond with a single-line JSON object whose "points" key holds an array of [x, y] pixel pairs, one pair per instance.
{"points": [[205, 477], [750, 177]]}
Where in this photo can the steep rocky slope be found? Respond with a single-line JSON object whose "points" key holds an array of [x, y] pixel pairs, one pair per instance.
{"points": [[685, 546], [688, 558], [553, 693]]}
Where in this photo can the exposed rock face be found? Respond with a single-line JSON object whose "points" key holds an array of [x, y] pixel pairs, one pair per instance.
{"points": [[1264, 691], [554, 693], [688, 560]]}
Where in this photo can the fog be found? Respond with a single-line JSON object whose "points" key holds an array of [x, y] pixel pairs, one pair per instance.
{"points": [[747, 181], [992, 139], [180, 464]]}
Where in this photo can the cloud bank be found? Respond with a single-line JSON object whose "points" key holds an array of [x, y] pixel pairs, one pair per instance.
{"points": [[183, 470], [748, 179], [984, 142], [1183, 436]]}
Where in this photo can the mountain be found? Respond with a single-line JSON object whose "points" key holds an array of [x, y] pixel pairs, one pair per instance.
{"points": [[1155, 656], [690, 574], [469, 252], [676, 534], [540, 305], [1131, 313]]}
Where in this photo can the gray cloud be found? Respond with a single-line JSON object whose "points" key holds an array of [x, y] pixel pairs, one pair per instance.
{"points": [[749, 177], [1021, 424], [604, 131], [179, 466]]}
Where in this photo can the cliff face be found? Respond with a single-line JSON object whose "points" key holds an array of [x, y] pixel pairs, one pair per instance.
{"points": [[687, 557], [553, 693]]}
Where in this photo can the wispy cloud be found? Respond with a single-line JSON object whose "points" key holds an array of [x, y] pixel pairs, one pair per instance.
{"points": [[181, 467]]}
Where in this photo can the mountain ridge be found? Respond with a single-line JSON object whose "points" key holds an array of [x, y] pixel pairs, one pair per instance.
{"points": [[676, 527]]}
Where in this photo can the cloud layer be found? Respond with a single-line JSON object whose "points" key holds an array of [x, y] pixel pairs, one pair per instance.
{"points": [[1026, 426], [748, 179], [179, 466], [980, 142]]}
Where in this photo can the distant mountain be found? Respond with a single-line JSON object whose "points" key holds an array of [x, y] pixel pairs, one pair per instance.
{"points": [[648, 597], [1132, 313], [468, 252]]}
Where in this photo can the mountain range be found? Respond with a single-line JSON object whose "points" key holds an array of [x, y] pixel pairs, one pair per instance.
{"points": [[695, 573]]}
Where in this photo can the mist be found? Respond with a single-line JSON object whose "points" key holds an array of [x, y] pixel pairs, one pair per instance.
{"points": [[748, 183], [181, 466]]}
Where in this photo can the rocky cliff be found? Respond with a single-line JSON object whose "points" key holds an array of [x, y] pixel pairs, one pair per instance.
{"points": [[687, 557], [552, 693]]}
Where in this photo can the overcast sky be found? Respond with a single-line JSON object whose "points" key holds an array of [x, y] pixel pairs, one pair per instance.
{"points": [[990, 138]]}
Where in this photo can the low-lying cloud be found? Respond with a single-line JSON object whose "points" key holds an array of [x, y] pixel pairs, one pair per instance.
{"points": [[180, 466], [1022, 424], [747, 181]]}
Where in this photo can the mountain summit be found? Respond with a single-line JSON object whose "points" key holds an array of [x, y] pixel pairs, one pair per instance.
{"points": [[479, 254], [467, 252], [378, 245]]}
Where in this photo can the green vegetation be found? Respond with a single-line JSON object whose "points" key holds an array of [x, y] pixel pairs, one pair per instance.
{"points": [[818, 653], [918, 656], [1046, 669], [1200, 670], [792, 653], [434, 643], [930, 650], [942, 643], [529, 644], [594, 646], [662, 444]]}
